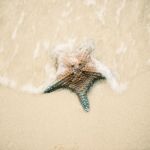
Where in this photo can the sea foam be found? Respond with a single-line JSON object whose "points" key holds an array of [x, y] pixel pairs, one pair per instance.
{"points": [[58, 53], [5, 81]]}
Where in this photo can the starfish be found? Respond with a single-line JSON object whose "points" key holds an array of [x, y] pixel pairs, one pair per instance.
{"points": [[77, 74]]}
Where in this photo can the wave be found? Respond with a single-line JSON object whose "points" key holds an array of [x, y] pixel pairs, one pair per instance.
{"points": [[50, 69]]}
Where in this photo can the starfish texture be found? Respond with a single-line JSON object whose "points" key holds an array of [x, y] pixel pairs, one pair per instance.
{"points": [[78, 75]]}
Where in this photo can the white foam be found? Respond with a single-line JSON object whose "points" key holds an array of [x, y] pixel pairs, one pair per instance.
{"points": [[7, 82], [41, 45], [118, 87], [50, 72], [90, 46], [67, 12], [36, 51], [101, 12], [17, 25], [63, 48], [100, 15], [61, 69], [87, 45], [29, 87], [50, 77], [45, 44], [122, 48], [118, 12], [90, 2], [69, 49]]}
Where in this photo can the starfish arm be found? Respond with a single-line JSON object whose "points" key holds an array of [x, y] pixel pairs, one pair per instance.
{"points": [[52, 88], [84, 101], [94, 74], [58, 85]]}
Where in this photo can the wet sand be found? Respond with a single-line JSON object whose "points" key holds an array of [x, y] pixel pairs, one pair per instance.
{"points": [[56, 121]]}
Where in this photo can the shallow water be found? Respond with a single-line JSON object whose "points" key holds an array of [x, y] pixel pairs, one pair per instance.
{"points": [[28, 35], [33, 33]]}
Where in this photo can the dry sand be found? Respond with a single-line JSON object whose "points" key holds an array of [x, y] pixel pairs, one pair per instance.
{"points": [[29, 31]]}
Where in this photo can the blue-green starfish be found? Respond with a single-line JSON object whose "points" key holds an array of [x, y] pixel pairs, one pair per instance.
{"points": [[78, 77]]}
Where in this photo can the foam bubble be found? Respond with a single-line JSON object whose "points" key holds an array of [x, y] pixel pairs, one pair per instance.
{"points": [[63, 48], [90, 2], [118, 87], [29, 87], [8, 82]]}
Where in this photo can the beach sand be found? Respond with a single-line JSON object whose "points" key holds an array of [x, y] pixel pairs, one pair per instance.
{"points": [[30, 31]]}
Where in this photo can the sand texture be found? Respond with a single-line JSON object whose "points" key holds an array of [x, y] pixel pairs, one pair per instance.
{"points": [[32, 35]]}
